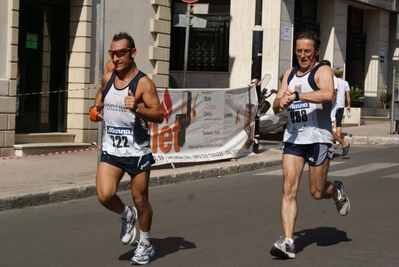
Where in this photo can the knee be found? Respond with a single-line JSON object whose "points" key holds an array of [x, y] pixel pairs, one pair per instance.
{"points": [[317, 194], [104, 200], [290, 190], [140, 200], [103, 197]]}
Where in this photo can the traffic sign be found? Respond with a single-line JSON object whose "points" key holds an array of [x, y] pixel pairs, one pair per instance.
{"points": [[180, 20], [190, 1]]}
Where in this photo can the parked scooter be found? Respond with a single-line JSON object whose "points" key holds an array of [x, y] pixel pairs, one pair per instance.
{"points": [[269, 122]]}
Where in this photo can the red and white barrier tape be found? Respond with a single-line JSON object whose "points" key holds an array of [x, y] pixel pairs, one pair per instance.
{"points": [[55, 153], [51, 92]]}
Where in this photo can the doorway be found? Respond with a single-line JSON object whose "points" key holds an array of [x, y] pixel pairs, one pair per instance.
{"points": [[42, 53], [305, 18]]}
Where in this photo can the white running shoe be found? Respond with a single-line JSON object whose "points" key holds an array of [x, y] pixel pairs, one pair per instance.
{"points": [[128, 232], [343, 205], [283, 249], [143, 254]]}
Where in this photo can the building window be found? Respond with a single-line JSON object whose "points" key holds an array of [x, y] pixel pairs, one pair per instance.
{"points": [[305, 17], [208, 47]]}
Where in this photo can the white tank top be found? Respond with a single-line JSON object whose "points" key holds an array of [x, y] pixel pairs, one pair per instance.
{"points": [[308, 123], [126, 135]]}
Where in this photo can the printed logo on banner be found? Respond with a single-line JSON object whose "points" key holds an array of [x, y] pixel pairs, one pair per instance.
{"points": [[173, 134], [166, 105]]}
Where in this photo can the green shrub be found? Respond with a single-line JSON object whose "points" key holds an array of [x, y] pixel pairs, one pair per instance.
{"points": [[357, 95], [385, 97]]}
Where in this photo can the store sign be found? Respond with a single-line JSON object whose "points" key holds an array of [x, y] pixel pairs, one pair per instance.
{"points": [[31, 40]]}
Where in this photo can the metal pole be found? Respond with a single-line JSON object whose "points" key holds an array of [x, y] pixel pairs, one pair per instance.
{"points": [[392, 100], [188, 21], [100, 71], [292, 45], [256, 70], [397, 102]]}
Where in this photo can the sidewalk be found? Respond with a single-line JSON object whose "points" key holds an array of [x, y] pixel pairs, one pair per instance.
{"points": [[39, 180], [374, 134]]}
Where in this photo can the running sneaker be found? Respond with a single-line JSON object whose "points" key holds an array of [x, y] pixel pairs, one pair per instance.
{"points": [[283, 249], [143, 254], [345, 150], [343, 205], [128, 232]]}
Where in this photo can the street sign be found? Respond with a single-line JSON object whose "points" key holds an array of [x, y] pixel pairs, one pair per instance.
{"points": [[200, 9], [190, 1], [180, 20]]}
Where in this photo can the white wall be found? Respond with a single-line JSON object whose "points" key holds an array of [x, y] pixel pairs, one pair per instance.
{"points": [[376, 26], [286, 46], [326, 18], [241, 27], [4, 10], [341, 21], [333, 16], [241, 36], [272, 41], [130, 16]]}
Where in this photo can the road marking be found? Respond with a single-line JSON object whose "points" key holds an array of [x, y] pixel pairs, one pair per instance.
{"points": [[362, 169], [349, 171], [394, 176], [280, 171]]}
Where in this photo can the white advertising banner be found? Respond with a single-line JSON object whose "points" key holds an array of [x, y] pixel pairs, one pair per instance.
{"points": [[204, 124]]}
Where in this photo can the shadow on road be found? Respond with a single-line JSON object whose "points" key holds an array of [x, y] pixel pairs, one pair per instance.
{"points": [[322, 236], [163, 247]]}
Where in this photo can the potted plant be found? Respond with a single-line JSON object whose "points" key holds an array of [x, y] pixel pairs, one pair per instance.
{"points": [[357, 96], [385, 99]]}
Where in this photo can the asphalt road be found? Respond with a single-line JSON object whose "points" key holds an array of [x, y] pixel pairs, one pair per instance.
{"points": [[227, 221]]}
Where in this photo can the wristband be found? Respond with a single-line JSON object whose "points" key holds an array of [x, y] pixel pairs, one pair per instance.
{"points": [[296, 96], [93, 114], [137, 110]]}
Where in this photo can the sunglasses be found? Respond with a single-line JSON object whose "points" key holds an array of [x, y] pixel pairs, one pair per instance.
{"points": [[307, 52], [120, 52]]}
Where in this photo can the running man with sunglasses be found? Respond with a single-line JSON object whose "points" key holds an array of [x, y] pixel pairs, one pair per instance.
{"points": [[306, 92], [128, 100]]}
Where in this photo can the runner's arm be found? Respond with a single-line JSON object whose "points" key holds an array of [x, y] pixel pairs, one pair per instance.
{"points": [[148, 104], [282, 100]]}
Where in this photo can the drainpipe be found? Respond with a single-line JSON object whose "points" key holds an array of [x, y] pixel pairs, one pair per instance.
{"points": [[256, 70], [100, 72]]}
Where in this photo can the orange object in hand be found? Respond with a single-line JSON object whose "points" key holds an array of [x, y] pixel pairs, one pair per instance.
{"points": [[93, 114]]}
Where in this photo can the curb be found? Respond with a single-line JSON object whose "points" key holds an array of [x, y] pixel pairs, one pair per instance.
{"points": [[371, 140]]}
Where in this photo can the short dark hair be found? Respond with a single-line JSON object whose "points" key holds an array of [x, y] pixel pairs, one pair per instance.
{"points": [[126, 36], [308, 35]]}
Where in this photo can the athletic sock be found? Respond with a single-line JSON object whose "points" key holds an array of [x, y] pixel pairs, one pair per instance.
{"points": [[127, 213], [289, 240], [145, 238]]}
